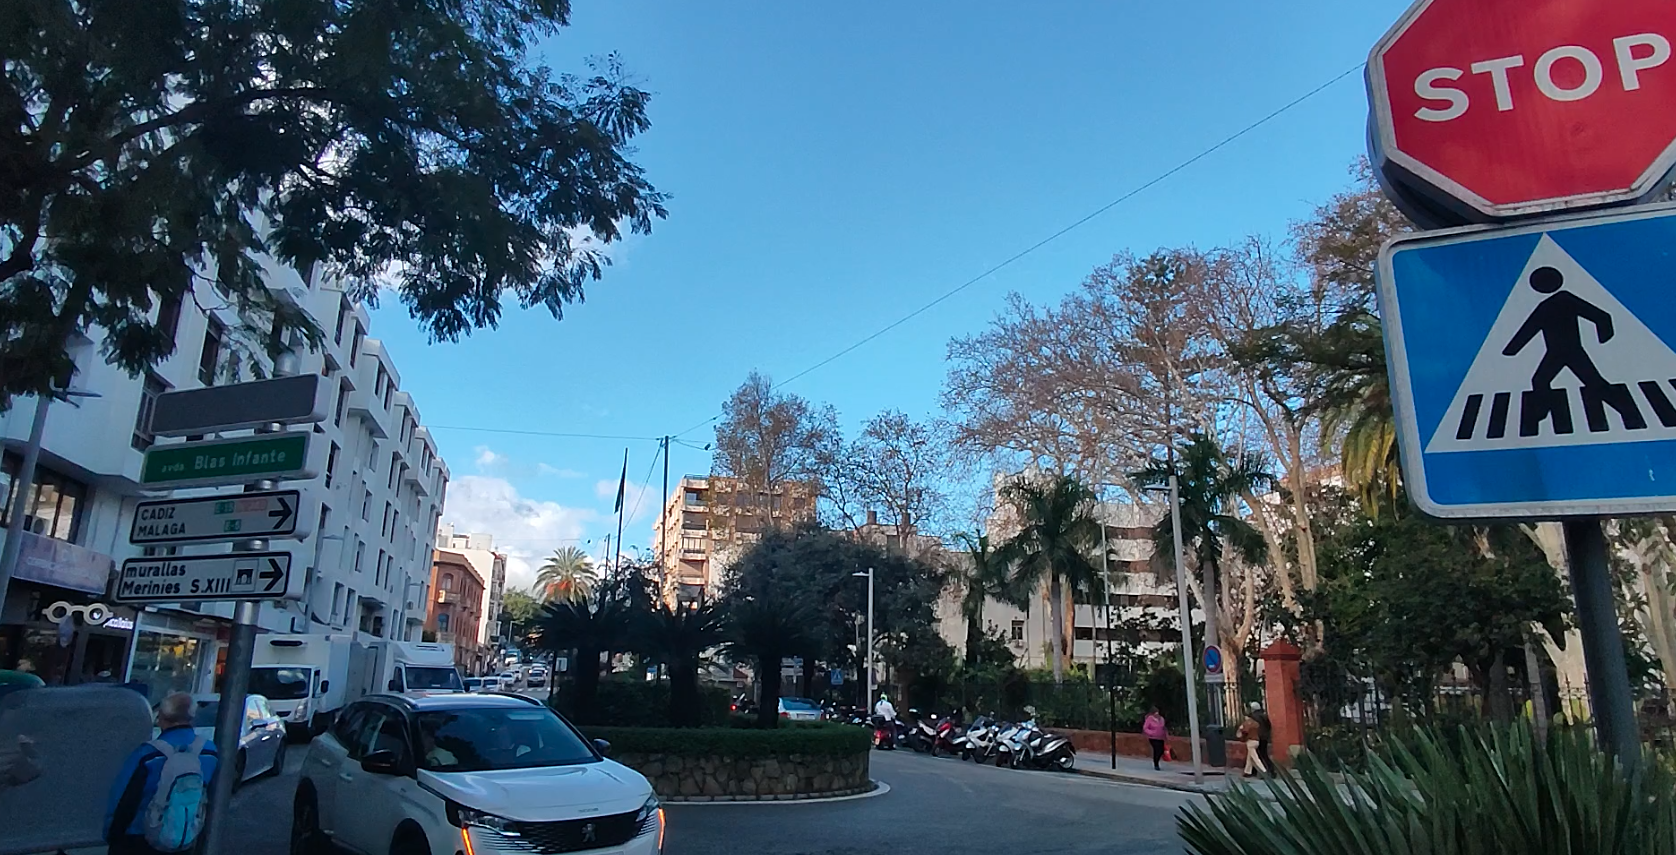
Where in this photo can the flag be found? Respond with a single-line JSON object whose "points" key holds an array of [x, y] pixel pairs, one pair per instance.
{"points": [[622, 484]]}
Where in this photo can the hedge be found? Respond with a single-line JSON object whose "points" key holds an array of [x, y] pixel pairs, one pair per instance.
{"points": [[823, 740]]}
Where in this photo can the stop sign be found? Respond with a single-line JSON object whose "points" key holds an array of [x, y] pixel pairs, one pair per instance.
{"points": [[1519, 107]]}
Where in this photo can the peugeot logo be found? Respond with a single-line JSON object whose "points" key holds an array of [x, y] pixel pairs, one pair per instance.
{"points": [[588, 833]]}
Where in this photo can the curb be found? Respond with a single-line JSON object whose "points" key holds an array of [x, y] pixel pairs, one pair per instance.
{"points": [[876, 788], [1138, 780]]}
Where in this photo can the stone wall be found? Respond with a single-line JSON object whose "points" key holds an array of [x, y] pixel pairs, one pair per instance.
{"points": [[678, 778]]}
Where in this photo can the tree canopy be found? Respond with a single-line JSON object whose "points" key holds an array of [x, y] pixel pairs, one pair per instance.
{"points": [[147, 147]]}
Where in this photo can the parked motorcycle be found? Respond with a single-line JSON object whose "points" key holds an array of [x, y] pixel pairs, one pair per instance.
{"points": [[1039, 749], [977, 740], [949, 734], [1009, 743], [886, 733], [923, 734]]}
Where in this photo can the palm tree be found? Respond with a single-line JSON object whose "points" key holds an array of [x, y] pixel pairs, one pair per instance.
{"points": [[1210, 485], [1057, 535], [766, 630], [676, 636], [567, 575], [588, 626], [984, 579]]}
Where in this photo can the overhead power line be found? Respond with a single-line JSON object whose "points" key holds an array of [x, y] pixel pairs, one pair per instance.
{"points": [[547, 433]]}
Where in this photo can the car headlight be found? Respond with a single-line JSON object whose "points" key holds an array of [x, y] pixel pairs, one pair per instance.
{"points": [[464, 817], [650, 814], [301, 711]]}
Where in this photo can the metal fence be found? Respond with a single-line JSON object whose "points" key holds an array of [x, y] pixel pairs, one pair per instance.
{"points": [[1342, 728]]}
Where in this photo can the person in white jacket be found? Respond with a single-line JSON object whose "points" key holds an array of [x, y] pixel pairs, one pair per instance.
{"points": [[883, 708]]}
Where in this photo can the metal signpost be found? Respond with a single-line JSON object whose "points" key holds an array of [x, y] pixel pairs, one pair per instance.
{"points": [[1532, 366], [1212, 659], [210, 519], [251, 572]]}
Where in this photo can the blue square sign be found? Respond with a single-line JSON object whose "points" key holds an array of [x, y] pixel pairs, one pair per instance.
{"points": [[1532, 368]]}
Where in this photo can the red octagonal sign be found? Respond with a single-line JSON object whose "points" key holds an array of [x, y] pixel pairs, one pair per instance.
{"points": [[1518, 107]]}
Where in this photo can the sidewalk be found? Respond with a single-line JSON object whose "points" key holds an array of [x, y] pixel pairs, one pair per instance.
{"points": [[1138, 770]]}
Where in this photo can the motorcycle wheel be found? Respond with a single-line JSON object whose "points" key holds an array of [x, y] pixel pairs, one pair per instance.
{"points": [[1064, 760]]}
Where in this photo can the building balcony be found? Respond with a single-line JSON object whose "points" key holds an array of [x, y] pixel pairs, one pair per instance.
{"points": [[446, 597]]}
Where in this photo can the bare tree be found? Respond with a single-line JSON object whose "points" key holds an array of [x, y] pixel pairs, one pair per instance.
{"points": [[766, 438], [896, 466]]}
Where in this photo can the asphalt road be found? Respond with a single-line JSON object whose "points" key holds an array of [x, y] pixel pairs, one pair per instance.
{"points": [[935, 805]]}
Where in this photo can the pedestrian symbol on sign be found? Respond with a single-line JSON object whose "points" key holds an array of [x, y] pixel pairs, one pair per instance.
{"points": [[1562, 347]]}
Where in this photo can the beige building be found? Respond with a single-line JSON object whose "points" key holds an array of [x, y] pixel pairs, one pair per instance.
{"points": [[711, 519], [479, 550]]}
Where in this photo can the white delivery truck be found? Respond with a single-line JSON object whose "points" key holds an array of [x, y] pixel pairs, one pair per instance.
{"points": [[306, 678], [416, 666]]}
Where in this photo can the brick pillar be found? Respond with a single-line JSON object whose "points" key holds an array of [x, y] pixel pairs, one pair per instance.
{"points": [[1280, 693]]}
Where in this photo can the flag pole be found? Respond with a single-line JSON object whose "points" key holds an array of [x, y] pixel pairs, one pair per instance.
{"points": [[622, 487]]}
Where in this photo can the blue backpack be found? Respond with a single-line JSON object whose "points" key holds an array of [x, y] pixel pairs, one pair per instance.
{"points": [[176, 813]]}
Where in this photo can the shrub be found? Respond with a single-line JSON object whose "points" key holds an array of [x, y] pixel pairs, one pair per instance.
{"points": [[1497, 790], [808, 738], [642, 703]]}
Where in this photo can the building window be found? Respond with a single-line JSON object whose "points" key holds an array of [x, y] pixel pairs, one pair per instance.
{"points": [[1018, 631], [168, 317], [389, 391], [694, 498], [209, 359], [355, 344], [143, 437], [337, 603], [360, 553], [58, 506], [343, 312], [447, 583], [366, 505], [378, 385], [331, 464], [384, 523], [442, 622], [393, 459], [349, 601], [343, 404], [378, 570]]}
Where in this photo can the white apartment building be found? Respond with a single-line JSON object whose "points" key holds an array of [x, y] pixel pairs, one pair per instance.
{"points": [[479, 551], [1142, 609], [376, 505]]}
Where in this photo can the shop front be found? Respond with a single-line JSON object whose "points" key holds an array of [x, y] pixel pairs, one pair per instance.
{"points": [[176, 652], [55, 623]]}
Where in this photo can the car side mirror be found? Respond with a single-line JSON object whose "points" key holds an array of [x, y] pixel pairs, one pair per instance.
{"points": [[603, 746], [384, 762], [324, 684], [394, 685]]}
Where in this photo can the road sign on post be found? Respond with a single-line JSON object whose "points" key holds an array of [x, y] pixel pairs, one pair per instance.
{"points": [[298, 399], [1533, 368], [231, 576], [1508, 108], [277, 456], [1213, 661], [229, 517]]}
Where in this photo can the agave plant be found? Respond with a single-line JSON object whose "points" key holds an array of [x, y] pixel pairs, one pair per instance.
{"points": [[1495, 791]]}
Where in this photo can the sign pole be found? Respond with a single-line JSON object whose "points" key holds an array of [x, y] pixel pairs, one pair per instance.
{"points": [[1603, 641], [1187, 665]]}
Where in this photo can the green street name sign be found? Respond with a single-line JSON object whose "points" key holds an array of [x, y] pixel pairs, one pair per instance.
{"points": [[228, 461]]}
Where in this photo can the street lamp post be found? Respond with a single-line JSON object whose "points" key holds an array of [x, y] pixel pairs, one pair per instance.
{"points": [[869, 664]]}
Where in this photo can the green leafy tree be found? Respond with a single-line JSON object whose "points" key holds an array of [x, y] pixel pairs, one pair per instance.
{"points": [[590, 628], [764, 631], [519, 610], [567, 574], [676, 636], [983, 578], [1210, 485], [150, 146], [1057, 534]]}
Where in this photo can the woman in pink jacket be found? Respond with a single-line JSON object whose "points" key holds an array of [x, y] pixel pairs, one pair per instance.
{"points": [[1155, 732]]}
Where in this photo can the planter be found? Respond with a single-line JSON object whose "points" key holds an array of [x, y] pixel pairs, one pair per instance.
{"points": [[730, 764]]}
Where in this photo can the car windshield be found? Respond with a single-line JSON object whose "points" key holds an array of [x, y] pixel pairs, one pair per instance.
{"points": [[481, 740], [798, 704], [280, 684], [433, 678], [473, 683]]}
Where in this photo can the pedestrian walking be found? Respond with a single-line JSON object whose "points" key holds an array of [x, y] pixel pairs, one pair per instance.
{"points": [[1155, 731], [158, 800], [1265, 736], [1247, 733]]}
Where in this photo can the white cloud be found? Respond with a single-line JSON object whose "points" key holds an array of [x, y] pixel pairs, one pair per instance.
{"points": [[487, 460], [556, 472], [640, 501], [525, 529]]}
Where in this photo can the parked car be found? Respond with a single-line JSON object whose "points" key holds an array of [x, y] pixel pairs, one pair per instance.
{"points": [[508, 679], [474, 684], [799, 709], [443, 774], [491, 684], [537, 677], [261, 736]]}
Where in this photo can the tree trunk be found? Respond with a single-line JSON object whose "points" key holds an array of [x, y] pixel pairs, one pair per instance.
{"points": [[1661, 604], [1540, 714], [806, 681], [1307, 573], [586, 685], [768, 689], [683, 693], [1211, 604], [1056, 607], [1497, 694], [974, 633]]}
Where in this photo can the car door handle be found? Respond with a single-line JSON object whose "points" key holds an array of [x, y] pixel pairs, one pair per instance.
{"points": [[346, 776]]}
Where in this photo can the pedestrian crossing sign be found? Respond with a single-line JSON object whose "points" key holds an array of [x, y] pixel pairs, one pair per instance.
{"points": [[1532, 368]]}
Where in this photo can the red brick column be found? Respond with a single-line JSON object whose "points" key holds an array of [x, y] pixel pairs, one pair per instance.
{"points": [[1280, 693]]}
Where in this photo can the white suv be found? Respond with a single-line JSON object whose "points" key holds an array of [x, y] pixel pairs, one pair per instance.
{"points": [[467, 775]]}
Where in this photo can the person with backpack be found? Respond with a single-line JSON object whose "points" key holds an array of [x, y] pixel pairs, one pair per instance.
{"points": [[159, 798]]}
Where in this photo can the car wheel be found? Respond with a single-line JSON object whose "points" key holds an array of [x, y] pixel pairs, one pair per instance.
{"points": [[278, 766], [409, 840], [306, 838]]}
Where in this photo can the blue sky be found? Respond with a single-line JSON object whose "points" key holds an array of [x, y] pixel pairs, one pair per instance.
{"points": [[833, 167]]}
